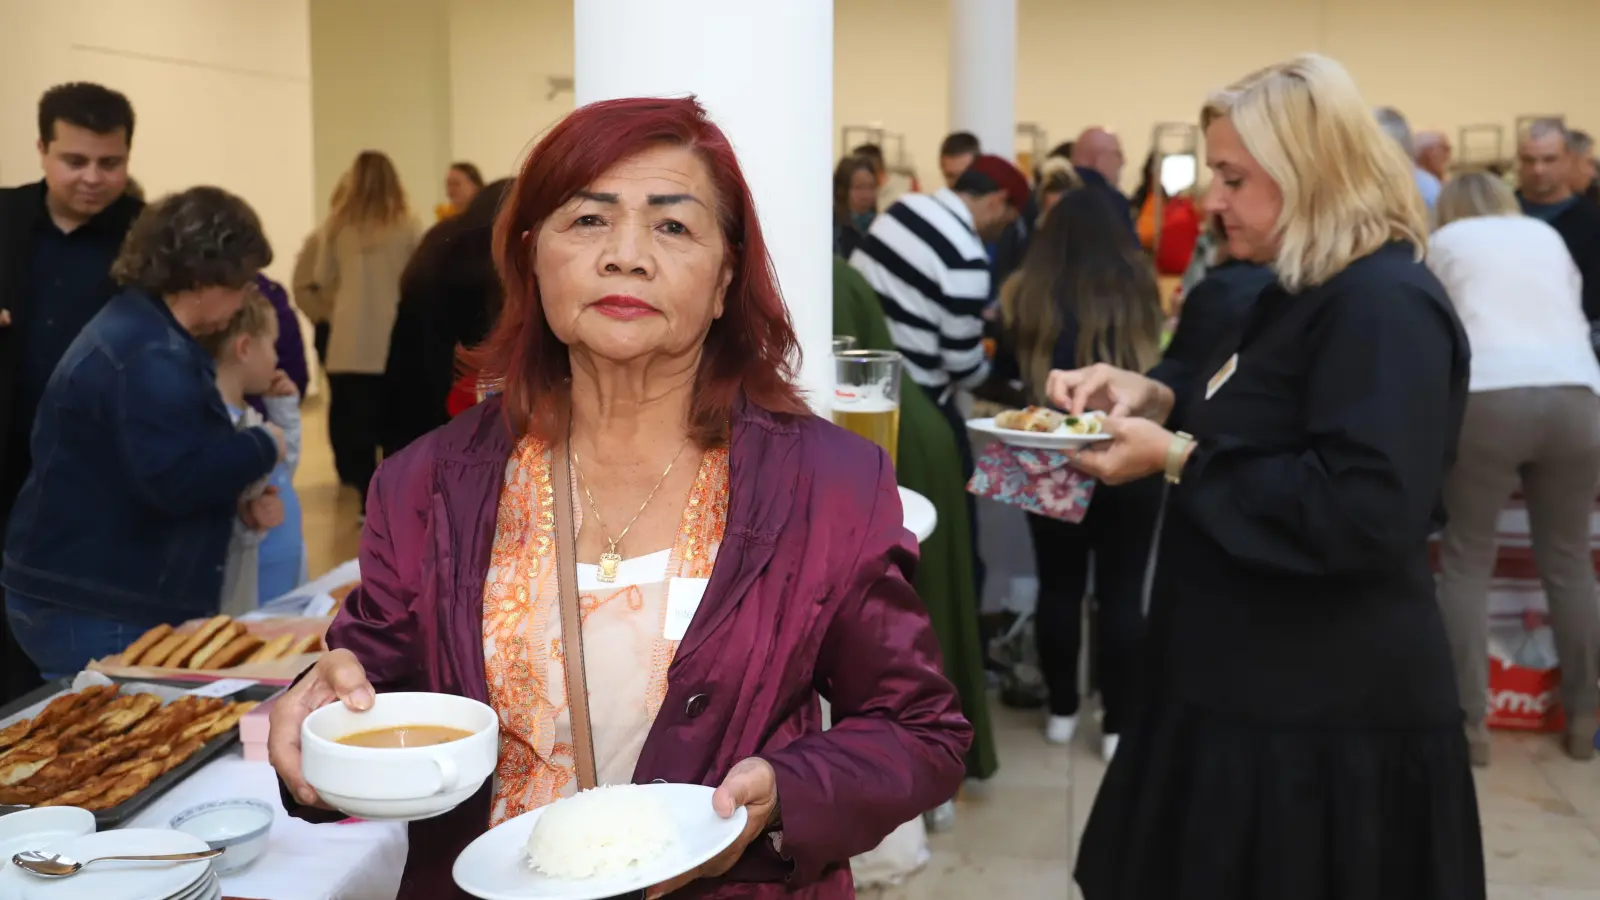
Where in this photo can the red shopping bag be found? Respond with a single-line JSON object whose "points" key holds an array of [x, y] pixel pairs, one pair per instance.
{"points": [[1523, 676]]}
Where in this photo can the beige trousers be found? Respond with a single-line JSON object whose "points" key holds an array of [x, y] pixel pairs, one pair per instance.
{"points": [[1549, 439]]}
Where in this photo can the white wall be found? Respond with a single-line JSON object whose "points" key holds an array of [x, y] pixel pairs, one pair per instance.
{"points": [[382, 82], [502, 53], [221, 94]]}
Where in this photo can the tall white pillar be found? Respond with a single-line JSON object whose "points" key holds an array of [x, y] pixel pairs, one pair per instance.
{"points": [[764, 71], [983, 72]]}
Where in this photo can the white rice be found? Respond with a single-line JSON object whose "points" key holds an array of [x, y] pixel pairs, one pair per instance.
{"points": [[601, 832]]}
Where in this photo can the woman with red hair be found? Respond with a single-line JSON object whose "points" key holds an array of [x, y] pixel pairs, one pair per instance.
{"points": [[737, 557]]}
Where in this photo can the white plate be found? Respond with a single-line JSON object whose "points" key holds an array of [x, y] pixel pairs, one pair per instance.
{"points": [[1033, 440], [42, 828], [494, 867], [207, 888], [117, 880]]}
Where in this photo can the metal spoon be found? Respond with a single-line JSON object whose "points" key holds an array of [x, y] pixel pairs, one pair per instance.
{"points": [[54, 865]]}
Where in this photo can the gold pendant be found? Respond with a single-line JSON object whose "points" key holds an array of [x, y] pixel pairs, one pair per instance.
{"points": [[609, 561]]}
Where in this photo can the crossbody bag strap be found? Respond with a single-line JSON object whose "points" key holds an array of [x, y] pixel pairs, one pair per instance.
{"points": [[572, 618]]}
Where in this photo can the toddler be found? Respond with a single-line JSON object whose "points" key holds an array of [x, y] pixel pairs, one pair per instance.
{"points": [[247, 364]]}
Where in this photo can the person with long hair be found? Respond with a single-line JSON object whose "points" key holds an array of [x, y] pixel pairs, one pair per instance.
{"points": [[366, 243], [1086, 294], [1299, 732], [855, 202], [1532, 418], [647, 438]]}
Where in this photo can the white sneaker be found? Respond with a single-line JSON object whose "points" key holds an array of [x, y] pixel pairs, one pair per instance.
{"points": [[1060, 729], [1108, 746]]}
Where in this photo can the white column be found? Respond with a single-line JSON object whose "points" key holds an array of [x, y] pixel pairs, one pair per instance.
{"points": [[764, 71], [983, 72]]}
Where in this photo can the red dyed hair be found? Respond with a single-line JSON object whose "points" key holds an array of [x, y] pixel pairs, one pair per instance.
{"points": [[752, 348]]}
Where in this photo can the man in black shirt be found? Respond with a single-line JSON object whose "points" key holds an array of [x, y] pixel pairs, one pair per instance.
{"points": [[58, 238], [1544, 174]]}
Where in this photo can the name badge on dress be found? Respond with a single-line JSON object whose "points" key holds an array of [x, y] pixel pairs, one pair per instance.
{"points": [[1222, 376], [683, 598]]}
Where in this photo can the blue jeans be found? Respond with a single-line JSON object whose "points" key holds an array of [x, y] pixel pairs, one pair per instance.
{"points": [[61, 641]]}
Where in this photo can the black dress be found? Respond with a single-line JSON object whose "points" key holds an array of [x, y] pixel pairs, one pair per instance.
{"points": [[1300, 737]]}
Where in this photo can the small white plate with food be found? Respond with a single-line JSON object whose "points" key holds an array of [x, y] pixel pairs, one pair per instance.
{"points": [[602, 843], [1038, 428]]}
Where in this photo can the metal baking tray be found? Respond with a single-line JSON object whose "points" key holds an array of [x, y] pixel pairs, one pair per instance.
{"points": [[127, 809]]}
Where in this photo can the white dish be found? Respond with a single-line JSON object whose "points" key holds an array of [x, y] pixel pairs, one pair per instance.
{"points": [[207, 888], [236, 827], [122, 880], [37, 829], [495, 867], [1033, 440], [399, 785]]}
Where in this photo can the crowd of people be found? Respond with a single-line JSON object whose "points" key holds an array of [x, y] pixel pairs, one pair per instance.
{"points": [[1371, 347]]}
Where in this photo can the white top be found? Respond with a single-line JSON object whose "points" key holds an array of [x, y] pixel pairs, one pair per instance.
{"points": [[924, 259], [1520, 297]]}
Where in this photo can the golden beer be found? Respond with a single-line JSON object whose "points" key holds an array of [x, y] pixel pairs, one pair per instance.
{"points": [[880, 426], [866, 396]]}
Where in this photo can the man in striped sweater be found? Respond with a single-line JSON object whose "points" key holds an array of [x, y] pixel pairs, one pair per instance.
{"points": [[925, 259]]}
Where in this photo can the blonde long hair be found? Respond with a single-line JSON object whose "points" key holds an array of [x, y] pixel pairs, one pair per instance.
{"points": [[1473, 194], [369, 196], [1348, 189]]}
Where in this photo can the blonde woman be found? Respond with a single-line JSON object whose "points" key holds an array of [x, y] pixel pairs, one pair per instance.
{"points": [[1532, 417], [1300, 734], [366, 243]]}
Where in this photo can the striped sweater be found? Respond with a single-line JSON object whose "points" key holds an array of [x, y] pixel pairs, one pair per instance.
{"points": [[930, 271]]}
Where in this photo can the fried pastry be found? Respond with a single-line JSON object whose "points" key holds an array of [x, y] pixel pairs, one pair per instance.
{"points": [[303, 644], [157, 656], [197, 640], [237, 651], [137, 649], [273, 649]]}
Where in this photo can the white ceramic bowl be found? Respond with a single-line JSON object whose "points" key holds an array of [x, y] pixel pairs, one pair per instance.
{"points": [[402, 784], [236, 827], [35, 829]]}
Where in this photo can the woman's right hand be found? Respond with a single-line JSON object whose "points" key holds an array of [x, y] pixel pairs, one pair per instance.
{"points": [[1109, 389], [338, 675]]}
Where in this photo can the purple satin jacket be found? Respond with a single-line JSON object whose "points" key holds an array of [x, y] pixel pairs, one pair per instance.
{"points": [[810, 596]]}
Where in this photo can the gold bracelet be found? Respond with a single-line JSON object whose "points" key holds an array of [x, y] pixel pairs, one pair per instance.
{"points": [[1177, 455]]}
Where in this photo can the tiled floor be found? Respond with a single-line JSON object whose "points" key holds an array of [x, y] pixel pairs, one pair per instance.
{"points": [[1012, 839]]}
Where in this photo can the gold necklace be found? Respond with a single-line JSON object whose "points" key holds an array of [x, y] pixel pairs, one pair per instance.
{"points": [[611, 559]]}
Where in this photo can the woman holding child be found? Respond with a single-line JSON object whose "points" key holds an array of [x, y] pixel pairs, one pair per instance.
{"points": [[138, 470]]}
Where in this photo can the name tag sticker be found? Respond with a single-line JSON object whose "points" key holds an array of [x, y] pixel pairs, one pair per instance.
{"points": [[683, 598], [225, 687], [1222, 376]]}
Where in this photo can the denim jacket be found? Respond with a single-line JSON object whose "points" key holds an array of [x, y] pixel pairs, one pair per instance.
{"points": [[137, 473]]}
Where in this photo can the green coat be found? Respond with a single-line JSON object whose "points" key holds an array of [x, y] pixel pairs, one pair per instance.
{"points": [[929, 464]]}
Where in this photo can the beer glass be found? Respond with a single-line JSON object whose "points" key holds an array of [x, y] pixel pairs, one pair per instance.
{"points": [[866, 396]]}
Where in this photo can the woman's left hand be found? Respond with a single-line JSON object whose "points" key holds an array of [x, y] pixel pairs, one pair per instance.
{"points": [[1138, 447], [751, 784]]}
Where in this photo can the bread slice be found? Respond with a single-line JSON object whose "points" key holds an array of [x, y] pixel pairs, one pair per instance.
{"points": [[273, 649], [222, 638], [157, 656], [146, 641], [236, 651]]}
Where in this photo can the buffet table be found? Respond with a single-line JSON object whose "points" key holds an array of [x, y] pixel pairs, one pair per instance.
{"points": [[353, 861]]}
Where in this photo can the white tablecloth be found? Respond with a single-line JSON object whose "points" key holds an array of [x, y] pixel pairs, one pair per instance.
{"points": [[357, 861]]}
